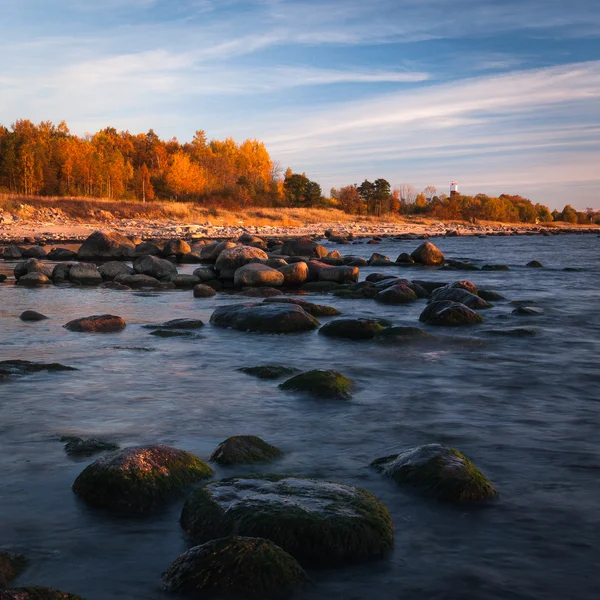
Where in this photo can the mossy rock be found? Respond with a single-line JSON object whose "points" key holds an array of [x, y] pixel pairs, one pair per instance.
{"points": [[241, 566], [353, 329], [320, 383], [11, 565], [77, 446], [316, 310], [439, 471], [490, 296], [139, 479], [269, 371], [244, 450], [315, 521], [177, 324], [35, 592]]}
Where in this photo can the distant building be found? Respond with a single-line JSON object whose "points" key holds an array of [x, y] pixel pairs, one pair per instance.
{"points": [[453, 188]]}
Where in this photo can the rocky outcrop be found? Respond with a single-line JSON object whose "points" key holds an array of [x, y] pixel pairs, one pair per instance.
{"points": [[106, 245]]}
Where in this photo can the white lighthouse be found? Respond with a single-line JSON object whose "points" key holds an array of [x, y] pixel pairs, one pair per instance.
{"points": [[453, 188]]}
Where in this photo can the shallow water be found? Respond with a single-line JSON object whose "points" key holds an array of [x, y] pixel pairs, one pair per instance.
{"points": [[526, 410]]}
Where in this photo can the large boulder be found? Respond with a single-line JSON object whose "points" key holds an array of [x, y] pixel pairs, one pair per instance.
{"points": [[31, 265], [12, 252], [84, 274], [159, 268], [138, 281], [321, 384], [106, 245], [428, 254], [457, 294], [316, 310], [257, 274], [352, 329], [243, 450], [139, 479], [315, 521], [96, 324], [36, 592], [210, 252], [205, 273], [147, 249], [61, 272], [449, 313], [35, 252], [176, 248], [252, 240], [235, 566], [111, 270], [339, 274], [399, 293], [264, 318], [439, 471], [304, 247], [294, 274], [232, 259]]}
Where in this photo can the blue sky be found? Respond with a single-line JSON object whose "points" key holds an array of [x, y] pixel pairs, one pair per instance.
{"points": [[501, 96]]}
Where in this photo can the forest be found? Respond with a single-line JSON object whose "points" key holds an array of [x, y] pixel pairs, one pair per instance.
{"points": [[48, 160]]}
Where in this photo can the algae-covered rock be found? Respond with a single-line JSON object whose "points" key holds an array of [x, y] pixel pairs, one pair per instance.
{"points": [[77, 446], [243, 450], [320, 383], [35, 592], [316, 310], [264, 318], [268, 371], [440, 471], [450, 314], [235, 565], [96, 324], [10, 566], [139, 479], [315, 521], [353, 329]]}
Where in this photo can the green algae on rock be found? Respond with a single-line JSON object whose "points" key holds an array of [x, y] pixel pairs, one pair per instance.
{"points": [[139, 479], [234, 565], [242, 450], [315, 521], [269, 371], [35, 592], [320, 383], [439, 471]]}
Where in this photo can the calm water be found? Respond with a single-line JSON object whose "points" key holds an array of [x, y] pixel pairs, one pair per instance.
{"points": [[527, 411]]}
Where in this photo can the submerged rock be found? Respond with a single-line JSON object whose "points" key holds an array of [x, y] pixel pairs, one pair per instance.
{"points": [[261, 292], [428, 254], [440, 471], [315, 521], [177, 324], [19, 368], [243, 450], [138, 281], [316, 310], [77, 446], [490, 296], [269, 371], [528, 311], [203, 291], [234, 565], [10, 566], [264, 318], [353, 329], [456, 294], [400, 293], [139, 479], [535, 264], [495, 268], [516, 332], [449, 313], [33, 279], [106, 245], [321, 384], [32, 315], [97, 324], [173, 333], [402, 334], [35, 592]]}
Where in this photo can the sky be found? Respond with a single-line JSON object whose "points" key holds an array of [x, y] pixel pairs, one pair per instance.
{"points": [[502, 96]]}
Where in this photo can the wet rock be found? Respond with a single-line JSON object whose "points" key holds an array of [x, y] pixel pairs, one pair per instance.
{"points": [[402, 334], [235, 566], [357, 261], [106, 245], [96, 324], [31, 265], [173, 333], [535, 264], [61, 273], [455, 294], [376, 256], [352, 329], [35, 252], [114, 285], [232, 259], [429, 255], [215, 284], [61, 254], [32, 315], [269, 371], [429, 286], [211, 252], [494, 268], [449, 313], [405, 259], [439, 471], [490, 296], [261, 292], [138, 281], [399, 293], [320, 286], [12, 252], [176, 248], [316, 310], [465, 285], [244, 450], [11, 565], [84, 274], [321, 384], [35, 592], [177, 324], [264, 318], [528, 311], [139, 479], [304, 247], [33, 280], [315, 521], [358, 291], [339, 274], [84, 447], [147, 249], [184, 281], [111, 270], [159, 268], [205, 273], [20, 368], [203, 291], [294, 274], [377, 277], [256, 274], [517, 332]]}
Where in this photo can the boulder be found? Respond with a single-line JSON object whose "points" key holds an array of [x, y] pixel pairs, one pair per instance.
{"points": [[465, 285], [439, 471], [97, 324], [111, 270], [3, 277], [269, 371], [232, 259], [176, 248], [294, 274], [320, 286], [376, 256], [61, 272], [138, 281], [203, 291], [248, 239], [235, 566], [185, 281], [205, 273], [211, 252], [31, 265], [10, 566], [534, 264], [449, 313], [159, 268], [429, 286], [405, 259], [339, 274], [147, 249], [316, 310], [256, 274], [352, 329], [427, 254], [32, 315], [495, 268], [356, 261], [106, 245], [399, 293], [321, 384], [490, 296], [455, 294], [36, 592], [35, 252], [85, 447], [304, 247], [177, 324], [33, 279], [139, 479], [12, 252], [315, 521], [84, 274], [244, 450], [264, 318]]}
